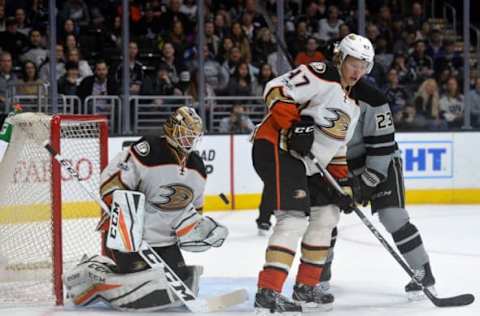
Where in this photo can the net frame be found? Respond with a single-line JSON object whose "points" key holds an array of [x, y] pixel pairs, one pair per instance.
{"points": [[55, 139], [54, 125]]}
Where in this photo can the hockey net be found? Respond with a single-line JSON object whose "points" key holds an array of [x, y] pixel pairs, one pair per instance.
{"points": [[46, 221]]}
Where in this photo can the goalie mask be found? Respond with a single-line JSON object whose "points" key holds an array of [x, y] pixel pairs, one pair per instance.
{"points": [[183, 129], [356, 46]]}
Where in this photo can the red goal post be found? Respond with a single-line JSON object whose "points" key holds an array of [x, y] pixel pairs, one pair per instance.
{"points": [[46, 221]]}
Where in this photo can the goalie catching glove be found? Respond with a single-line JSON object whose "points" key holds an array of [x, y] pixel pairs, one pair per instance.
{"points": [[197, 233]]}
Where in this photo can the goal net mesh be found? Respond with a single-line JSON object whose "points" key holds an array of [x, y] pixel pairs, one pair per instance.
{"points": [[27, 234]]}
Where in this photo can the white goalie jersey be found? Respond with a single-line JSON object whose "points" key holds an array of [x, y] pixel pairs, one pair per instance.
{"points": [[151, 167], [316, 90]]}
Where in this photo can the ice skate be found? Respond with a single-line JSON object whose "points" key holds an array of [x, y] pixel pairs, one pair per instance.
{"points": [[312, 298], [269, 302], [414, 291]]}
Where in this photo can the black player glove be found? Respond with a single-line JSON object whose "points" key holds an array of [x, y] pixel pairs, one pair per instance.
{"points": [[344, 201], [364, 185], [300, 135]]}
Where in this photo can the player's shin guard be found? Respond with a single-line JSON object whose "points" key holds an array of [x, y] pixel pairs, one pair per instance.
{"points": [[410, 245]]}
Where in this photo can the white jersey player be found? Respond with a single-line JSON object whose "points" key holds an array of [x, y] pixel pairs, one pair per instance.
{"points": [[172, 178], [309, 110]]}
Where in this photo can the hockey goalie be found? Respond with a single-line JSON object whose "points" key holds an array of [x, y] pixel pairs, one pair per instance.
{"points": [[155, 193]]}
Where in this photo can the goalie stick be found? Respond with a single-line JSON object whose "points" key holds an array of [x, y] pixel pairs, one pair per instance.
{"points": [[183, 292], [459, 300]]}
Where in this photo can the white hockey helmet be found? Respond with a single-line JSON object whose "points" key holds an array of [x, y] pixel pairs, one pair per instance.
{"points": [[356, 46]]}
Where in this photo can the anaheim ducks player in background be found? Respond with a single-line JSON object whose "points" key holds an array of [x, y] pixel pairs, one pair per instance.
{"points": [[172, 177], [309, 109]]}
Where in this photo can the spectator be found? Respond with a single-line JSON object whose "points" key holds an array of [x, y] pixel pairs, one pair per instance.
{"points": [[181, 42], [21, 18], [237, 122], [84, 69], [215, 75], [173, 14], [13, 41], [38, 13], [405, 74], [148, 26], [70, 42], [382, 54], [221, 27], [212, 40], [161, 84], [396, 95], [427, 104], [168, 57], [384, 23], [77, 11], [451, 59], [263, 46], [310, 54], [410, 120], [189, 8], [279, 62], [451, 104], [224, 50], [44, 69], [35, 52], [7, 77], [137, 74], [264, 76], [312, 16], [68, 83], [474, 99], [248, 27], [3, 26], [115, 34], [241, 41], [435, 47], [298, 39], [328, 27], [234, 58], [97, 85], [69, 27], [241, 82], [30, 82], [417, 18], [420, 62]]}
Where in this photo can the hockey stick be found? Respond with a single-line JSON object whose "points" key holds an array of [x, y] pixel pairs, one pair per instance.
{"points": [[459, 300], [151, 257]]}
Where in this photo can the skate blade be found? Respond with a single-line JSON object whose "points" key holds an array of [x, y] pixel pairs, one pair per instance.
{"points": [[312, 307], [416, 296], [266, 312]]}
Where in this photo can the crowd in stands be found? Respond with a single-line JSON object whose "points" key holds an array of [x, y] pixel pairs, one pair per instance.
{"points": [[417, 66]]}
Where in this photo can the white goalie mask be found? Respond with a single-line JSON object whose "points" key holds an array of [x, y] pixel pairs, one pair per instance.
{"points": [[183, 129], [356, 46]]}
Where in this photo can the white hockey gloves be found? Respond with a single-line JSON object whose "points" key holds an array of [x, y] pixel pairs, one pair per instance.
{"points": [[197, 233]]}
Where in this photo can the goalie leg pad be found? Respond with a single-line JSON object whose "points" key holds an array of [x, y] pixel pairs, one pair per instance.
{"points": [[93, 280]]}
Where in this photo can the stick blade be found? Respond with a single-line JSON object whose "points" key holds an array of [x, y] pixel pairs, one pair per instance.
{"points": [[459, 300], [222, 302]]}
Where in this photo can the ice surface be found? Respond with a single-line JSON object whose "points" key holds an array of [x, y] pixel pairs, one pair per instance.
{"points": [[366, 279]]}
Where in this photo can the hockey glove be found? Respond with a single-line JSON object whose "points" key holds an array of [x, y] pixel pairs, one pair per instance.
{"points": [[345, 201], [300, 135], [364, 185]]}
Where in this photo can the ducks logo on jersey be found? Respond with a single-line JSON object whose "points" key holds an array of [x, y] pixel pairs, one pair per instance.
{"points": [[172, 197], [335, 124]]}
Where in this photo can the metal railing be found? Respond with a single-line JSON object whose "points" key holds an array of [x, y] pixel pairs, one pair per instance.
{"points": [[150, 112], [221, 107], [108, 105], [33, 96]]}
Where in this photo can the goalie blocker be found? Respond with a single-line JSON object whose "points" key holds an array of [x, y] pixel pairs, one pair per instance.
{"points": [[127, 283]]}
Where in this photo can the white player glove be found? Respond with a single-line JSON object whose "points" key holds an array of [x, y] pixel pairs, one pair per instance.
{"points": [[197, 233]]}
